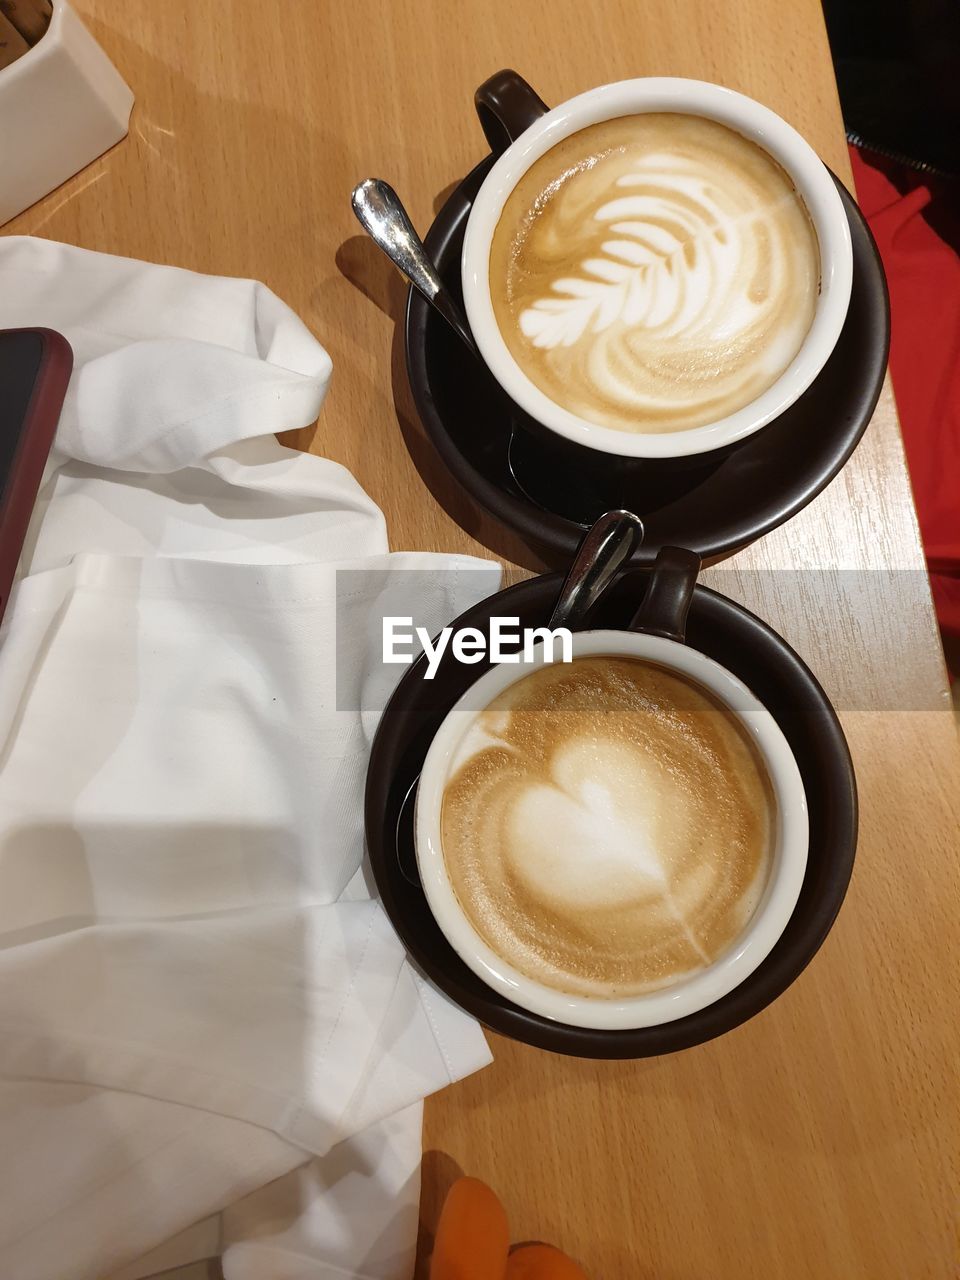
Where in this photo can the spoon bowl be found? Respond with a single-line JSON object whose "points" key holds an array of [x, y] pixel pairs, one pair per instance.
{"points": [[381, 213]]}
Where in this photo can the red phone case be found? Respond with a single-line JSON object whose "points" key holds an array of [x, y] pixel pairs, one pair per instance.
{"points": [[48, 360]]}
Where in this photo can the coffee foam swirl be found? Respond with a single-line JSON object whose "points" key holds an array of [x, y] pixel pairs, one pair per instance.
{"points": [[654, 272], [606, 827]]}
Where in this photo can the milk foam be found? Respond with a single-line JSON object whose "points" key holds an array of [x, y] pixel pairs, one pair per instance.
{"points": [[654, 273], [606, 827]]}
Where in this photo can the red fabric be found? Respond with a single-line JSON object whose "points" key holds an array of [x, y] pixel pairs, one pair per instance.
{"points": [[923, 273]]}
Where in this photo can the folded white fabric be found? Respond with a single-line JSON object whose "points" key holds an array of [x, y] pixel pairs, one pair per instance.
{"points": [[197, 992]]}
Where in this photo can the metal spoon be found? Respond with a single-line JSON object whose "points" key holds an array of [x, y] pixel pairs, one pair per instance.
{"points": [[609, 542], [385, 220]]}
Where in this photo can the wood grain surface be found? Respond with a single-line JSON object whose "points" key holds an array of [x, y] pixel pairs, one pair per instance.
{"points": [[819, 1140]]}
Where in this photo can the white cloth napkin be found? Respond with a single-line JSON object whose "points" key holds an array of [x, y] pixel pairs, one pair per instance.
{"points": [[197, 992]]}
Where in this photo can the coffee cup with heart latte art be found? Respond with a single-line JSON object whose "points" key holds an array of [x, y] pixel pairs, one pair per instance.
{"points": [[613, 842], [657, 268]]}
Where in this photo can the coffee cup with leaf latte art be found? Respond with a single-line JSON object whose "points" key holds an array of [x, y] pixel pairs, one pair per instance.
{"points": [[654, 273], [657, 268]]}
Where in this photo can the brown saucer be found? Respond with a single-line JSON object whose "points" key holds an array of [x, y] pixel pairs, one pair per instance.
{"points": [[776, 675], [547, 490]]}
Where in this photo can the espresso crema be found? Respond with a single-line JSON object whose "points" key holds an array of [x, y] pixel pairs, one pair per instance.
{"points": [[654, 273], [607, 827]]}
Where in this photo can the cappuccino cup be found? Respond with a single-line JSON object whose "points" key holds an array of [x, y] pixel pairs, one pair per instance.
{"points": [[617, 841], [656, 268]]}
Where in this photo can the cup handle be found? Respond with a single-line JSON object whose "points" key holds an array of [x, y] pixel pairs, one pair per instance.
{"points": [[507, 105], [669, 594]]}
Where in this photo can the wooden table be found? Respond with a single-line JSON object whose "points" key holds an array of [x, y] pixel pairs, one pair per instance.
{"points": [[818, 1140]]}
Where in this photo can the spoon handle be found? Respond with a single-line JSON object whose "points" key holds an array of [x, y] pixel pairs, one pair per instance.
{"points": [[601, 553], [382, 215]]}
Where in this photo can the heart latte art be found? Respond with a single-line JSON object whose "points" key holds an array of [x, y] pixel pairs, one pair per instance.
{"points": [[606, 827], [654, 273]]}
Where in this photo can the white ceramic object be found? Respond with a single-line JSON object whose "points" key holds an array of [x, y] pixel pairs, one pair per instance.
{"points": [[690, 994], [62, 104], [691, 97]]}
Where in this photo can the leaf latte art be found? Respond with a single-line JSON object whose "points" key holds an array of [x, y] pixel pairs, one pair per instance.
{"points": [[606, 827], [654, 273]]}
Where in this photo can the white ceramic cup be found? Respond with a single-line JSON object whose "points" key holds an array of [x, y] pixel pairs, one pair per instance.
{"points": [[690, 97], [707, 985]]}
